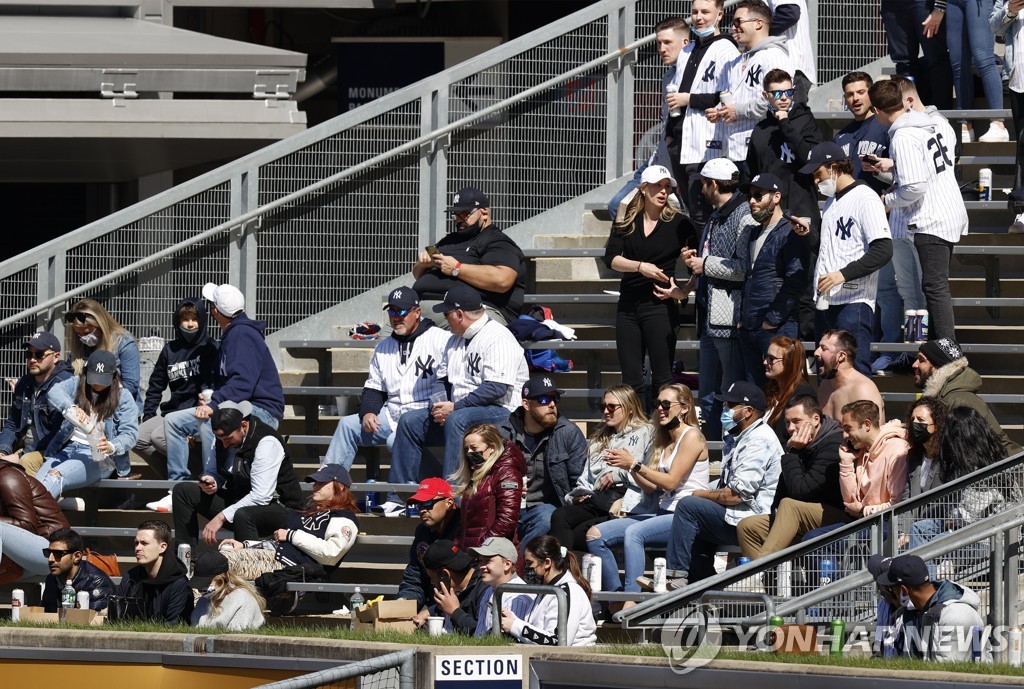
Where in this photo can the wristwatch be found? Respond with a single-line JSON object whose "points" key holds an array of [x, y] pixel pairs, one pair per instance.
{"points": [[637, 466]]}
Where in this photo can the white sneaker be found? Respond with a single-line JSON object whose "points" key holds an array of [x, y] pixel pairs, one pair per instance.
{"points": [[390, 509], [161, 505], [995, 134], [1018, 225], [966, 133], [71, 504]]}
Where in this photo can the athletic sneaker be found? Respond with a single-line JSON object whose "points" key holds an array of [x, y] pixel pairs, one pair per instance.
{"points": [[1018, 225], [676, 584], [646, 584], [71, 504], [881, 363], [390, 509], [161, 505], [995, 134], [901, 365]]}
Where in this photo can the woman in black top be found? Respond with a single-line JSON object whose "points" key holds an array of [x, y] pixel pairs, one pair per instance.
{"points": [[644, 247]]}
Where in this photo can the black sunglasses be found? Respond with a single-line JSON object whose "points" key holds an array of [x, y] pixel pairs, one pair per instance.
{"points": [[37, 355], [610, 406], [57, 554], [665, 404], [76, 316], [788, 93], [546, 399], [429, 504]]}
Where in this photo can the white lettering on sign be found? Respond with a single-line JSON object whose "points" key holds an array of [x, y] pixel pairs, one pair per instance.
{"points": [[477, 668]]}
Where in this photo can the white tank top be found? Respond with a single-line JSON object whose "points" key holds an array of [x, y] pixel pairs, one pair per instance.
{"points": [[698, 478]]}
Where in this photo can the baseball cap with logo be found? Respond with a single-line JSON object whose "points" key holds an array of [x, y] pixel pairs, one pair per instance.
{"points": [[721, 169], [403, 298], [825, 152], [765, 180], [43, 341], [468, 198], [908, 570], [227, 298], [742, 392], [655, 173], [459, 296], [540, 385], [496, 545], [878, 565], [101, 367], [331, 472], [430, 489]]}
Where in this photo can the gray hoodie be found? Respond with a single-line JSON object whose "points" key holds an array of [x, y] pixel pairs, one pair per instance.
{"points": [[942, 631], [756, 108]]}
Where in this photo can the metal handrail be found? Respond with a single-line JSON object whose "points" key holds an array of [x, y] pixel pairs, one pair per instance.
{"points": [[556, 591], [639, 614], [403, 661]]}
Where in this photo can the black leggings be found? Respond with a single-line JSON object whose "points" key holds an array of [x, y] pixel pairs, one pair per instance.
{"points": [[646, 327], [570, 523]]}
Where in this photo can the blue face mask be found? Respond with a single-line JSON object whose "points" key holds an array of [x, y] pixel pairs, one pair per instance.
{"points": [[728, 422], [703, 33]]}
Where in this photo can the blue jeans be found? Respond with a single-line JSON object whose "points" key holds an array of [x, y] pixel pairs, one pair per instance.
{"points": [[924, 530], [535, 521], [907, 266], [179, 425], [77, 469], [634, 534], [858, 319], [754, 345], [25, 548], [350, 435], [721, 365], [698, 528], [890, 305], [971, 43], [633, 183], [905, 36]]}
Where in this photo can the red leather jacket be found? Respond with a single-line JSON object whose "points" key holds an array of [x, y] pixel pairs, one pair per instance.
{"points": [[493, 510], [25, 503]]}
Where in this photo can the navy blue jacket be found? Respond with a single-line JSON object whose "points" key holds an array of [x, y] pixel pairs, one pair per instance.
{"points": [[26, 405], [777, 278], [247, 370], [89, 578]]}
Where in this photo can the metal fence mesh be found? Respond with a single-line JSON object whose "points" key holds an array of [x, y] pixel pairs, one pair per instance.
{"points": [[849, 35]]}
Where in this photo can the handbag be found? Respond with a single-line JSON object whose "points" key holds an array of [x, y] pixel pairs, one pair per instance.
{"points": [[105, 563], [126, 608]]}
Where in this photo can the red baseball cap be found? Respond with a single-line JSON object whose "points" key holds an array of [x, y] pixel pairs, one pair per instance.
{"points": [[431, 488]]}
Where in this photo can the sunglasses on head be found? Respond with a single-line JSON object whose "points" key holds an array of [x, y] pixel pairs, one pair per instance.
{"points": [[665, 404], [788, 93], [547, 399], [398, 313], [36, 354], [76, 317], [57, 554]]}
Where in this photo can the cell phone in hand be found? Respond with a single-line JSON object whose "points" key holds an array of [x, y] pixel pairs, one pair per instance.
{"points": [[431, 250], [870, 159]]}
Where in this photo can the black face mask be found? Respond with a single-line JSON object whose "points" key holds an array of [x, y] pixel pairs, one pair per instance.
{"points": [[466, 233], [673, 424], [475, 459], [919, 432], [188, 335], [531, 577]]}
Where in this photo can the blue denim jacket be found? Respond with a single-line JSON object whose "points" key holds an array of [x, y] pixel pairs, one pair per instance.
{"points": [[1001, 24], [751, 466], [26, 408], [122, 429]]}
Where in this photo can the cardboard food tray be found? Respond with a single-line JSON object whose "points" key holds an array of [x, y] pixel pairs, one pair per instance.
{"points": [[388, 615]]}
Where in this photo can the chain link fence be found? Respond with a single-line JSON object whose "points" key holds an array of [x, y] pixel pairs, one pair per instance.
{"points": [[390, 671]]}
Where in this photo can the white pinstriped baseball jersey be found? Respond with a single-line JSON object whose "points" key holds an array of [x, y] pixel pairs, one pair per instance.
{"points": [[852, 219], [701, 140], [408, 385], [798, 38], [922, 147], [492, 355], [743, 78]]}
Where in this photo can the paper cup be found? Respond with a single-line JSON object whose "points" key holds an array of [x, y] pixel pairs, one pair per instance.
{"points": [[435, 626]]}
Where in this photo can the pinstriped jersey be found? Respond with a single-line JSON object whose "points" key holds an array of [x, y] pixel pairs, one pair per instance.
{"points": [[493, 355], [922, 147], [798, 38], [701, 140], [851, 220], [408, 377], [743, 78]]}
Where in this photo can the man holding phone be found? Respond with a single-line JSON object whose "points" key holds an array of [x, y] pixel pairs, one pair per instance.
{"points": [[458, 587], [477, 254]]}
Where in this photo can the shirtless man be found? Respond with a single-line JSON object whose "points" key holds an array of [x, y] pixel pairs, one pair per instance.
{"points": [[840, 382]]}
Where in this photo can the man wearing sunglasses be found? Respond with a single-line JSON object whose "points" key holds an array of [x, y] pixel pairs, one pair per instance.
{"points": [[66, 557], [402, 377], [32, 423], [555, 452]]}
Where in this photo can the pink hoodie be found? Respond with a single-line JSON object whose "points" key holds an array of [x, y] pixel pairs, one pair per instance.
{"points": [[875, 480]]}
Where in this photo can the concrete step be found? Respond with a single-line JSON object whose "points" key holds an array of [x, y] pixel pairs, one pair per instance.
{"points": [[567, 241], [572, 269]]}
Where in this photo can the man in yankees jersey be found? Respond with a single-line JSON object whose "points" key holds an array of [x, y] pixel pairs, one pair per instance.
{"points": [[925, 201], [855, 243], [485, 370], [698, 141], [925, 198], [744, 79], [402, 377]]}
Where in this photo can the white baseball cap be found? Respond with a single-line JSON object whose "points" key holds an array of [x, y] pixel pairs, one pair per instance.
{"points": [[656, 173], [227, 298], [720, 169]]}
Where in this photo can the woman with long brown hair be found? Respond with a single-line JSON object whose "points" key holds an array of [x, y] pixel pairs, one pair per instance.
{"points": [[490, 485], [785, 366]]}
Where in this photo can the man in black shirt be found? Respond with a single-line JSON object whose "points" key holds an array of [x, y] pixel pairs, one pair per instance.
{"points": [[477, 253]]}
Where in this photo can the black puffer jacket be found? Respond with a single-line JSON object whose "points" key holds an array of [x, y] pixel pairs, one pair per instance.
{"points": [[88, 578]]}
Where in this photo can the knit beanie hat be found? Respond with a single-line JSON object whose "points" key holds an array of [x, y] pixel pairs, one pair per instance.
{"points": [[942, 351]]}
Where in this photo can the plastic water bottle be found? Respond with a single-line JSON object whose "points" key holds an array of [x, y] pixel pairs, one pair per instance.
{"points": [[672, 88], [68, 599], [355, 602]]}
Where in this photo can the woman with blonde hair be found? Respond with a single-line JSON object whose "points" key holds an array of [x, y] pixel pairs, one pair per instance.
{"points": [[92, 329], [228, 601], [677, 466], [645, 247], [490, 484], [601, 485]]}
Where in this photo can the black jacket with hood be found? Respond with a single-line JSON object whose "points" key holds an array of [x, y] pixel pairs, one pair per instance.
{"points": [[811, 474], [186, 365], [167, 597]]}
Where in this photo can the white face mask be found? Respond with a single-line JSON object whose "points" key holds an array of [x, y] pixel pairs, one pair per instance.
{"points": [[703, 33], [905, 601], [828, 187], [90, 340]]}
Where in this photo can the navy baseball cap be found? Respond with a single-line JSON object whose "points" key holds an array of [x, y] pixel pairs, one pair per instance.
{"points": [[43, 341], [101, 367], [459, 296], [742, 392], [825, 152], [909, 570], [765, 180], [540, 385], [468, 198], [403, 298], [331, 472]]}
